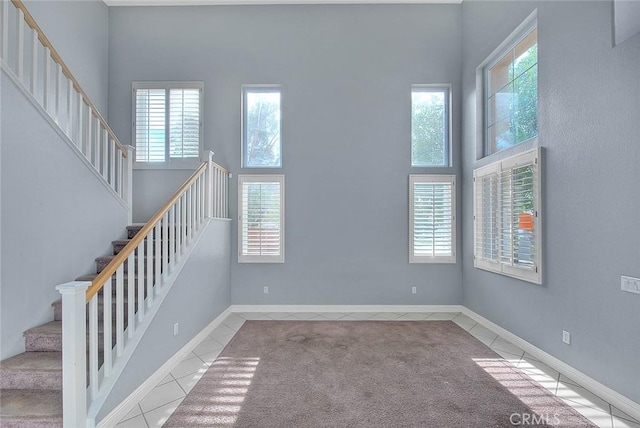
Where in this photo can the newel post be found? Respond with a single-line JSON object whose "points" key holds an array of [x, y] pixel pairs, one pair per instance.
{"points": [[128, 182], [74, 357], [207, 156]]}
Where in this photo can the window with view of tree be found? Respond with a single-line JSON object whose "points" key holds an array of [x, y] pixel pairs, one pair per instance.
{"points": [[167, 122], [429, 126], [261, 136], [511, 93], [432, 235], [507, 217], [261, 219]]}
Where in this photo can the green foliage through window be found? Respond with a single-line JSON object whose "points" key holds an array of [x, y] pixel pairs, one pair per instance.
{"points": [[429, 126], [262, 139]]}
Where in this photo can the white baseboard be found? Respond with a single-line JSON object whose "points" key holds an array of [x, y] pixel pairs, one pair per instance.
{"points": [[346, 308], [122, 409], [609, 395]]}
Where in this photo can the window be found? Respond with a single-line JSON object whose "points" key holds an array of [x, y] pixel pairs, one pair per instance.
{"points": [[430, 125], [511, 90], [507, 217], [261, 137], [168, 121], [261, 219], [432, 219]]}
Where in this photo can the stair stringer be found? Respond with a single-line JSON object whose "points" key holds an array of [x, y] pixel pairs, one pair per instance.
{"points": [[120, 363]]}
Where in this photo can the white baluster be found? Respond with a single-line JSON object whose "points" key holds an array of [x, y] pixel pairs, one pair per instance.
{"points": [[165, 246], [119, 310], [188, 219], [172, 235], [157, 251], [128, 182], [140, 260], [194, 208], [107, 307], [58, 93], [104, 146], [183, 218], [20, 52], [96, 143], [5, 30], [113, 152], [121, 174], [149, 266], [69, 109], [89, 145], [80, 123], [46, 88], [131, 297], [35, 47], [93, 345], [74, 352]]}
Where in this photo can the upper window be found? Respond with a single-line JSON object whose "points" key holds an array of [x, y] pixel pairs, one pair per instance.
{"points": [[261, 137], [261, 219], [507, 217], [168, 121], [511, 91], [432, 221], [430, 120]]}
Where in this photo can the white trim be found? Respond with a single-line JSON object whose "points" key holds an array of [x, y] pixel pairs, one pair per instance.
{"points": [[263, 87], [346, 308], [61, 133], [448, 99], [607, 394], [116, 371], [266, 2], [122, 409]]}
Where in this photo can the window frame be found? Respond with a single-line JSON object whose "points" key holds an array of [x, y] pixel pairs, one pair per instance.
{"points": [[429, 87], [262, 178], [169, 162], [243, 119], [432, 178], [482, 98], [530, 157]]}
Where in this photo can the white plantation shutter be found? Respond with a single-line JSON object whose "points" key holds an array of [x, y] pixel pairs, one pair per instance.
{"points": [[184, 122], [150, 132], [261, 220], [432, 219], [168, 117], [507, 217]]}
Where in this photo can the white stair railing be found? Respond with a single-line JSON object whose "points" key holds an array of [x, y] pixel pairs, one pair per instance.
{"points": [[140, 274], [28, 55]]}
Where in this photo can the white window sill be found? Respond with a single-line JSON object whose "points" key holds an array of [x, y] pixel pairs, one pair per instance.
{"points": [[181, 164]]}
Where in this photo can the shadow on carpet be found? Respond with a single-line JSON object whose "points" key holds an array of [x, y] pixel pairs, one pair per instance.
{"points": [[365, 374]]}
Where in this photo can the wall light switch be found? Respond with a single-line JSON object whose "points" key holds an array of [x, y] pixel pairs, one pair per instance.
{"points": [[266, 290], [175, 329], [566, 337], [414, 290]]}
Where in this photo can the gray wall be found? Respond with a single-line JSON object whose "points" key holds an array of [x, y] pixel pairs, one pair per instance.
{"points": [[57, 216], [201, 293], [346, 74], [589, 106], [79, 31], [627, 19]]}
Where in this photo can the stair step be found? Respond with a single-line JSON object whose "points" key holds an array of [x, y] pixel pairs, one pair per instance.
{"points": [[32, 370], [30, 408], [44, 338]]}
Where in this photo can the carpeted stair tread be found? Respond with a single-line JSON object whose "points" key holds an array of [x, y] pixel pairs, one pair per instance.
{"points": [[30, 408], [44, 338], [32, 370]]}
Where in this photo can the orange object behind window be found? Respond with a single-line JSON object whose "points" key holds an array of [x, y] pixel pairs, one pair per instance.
{"points": [[525, 221]]}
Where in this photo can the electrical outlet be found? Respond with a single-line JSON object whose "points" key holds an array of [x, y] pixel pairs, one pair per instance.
{"points": [[566, 337], [414, 290], [630, 284], [175, 329], [266, 290]]}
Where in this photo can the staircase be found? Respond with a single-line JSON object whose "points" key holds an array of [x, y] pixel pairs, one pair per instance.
{"points": [[31, 382]]}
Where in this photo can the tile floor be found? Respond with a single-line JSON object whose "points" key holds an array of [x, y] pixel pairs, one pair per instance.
{"points": [[154, 409]]}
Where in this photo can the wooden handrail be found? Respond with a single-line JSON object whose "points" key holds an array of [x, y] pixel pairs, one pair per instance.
{"points": [[67, 72], [221, 168], [123, 255]]}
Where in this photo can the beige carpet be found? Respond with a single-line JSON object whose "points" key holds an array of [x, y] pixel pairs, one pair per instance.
{"points": [[365, 374]]}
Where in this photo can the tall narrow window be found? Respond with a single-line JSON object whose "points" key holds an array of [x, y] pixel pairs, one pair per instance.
{"points": [[507, 217], [430, 119], [432, 219], [168, 121], [511, 91], [261, 127], [261, 219]]}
